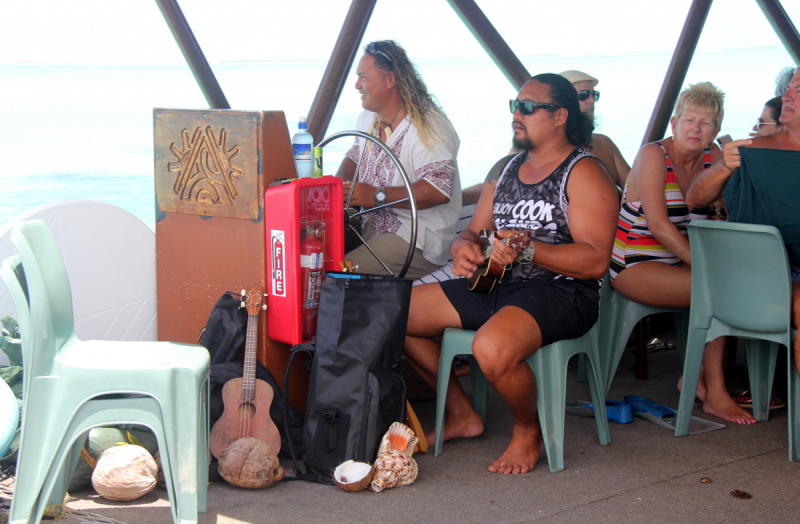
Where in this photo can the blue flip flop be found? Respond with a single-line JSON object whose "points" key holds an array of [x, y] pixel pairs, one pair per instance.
{"points": [[616, 411], [665, 417]]}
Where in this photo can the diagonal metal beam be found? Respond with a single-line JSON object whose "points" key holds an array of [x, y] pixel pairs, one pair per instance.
{"points": [[491, 41], [335, 76], [676, 73], [783, 27], [193, 54]]}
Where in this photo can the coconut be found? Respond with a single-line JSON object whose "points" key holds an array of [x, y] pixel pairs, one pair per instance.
{"points": [[125, 473], [250, 463], [353, 476]]}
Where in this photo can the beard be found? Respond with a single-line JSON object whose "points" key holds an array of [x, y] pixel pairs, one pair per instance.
{"points": [[523, 144]]}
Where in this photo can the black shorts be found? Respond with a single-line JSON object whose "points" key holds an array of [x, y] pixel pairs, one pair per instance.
{"points": [[562, 308]]}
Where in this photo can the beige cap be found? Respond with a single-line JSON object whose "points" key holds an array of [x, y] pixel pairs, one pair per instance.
{"points": [[579, 76]]}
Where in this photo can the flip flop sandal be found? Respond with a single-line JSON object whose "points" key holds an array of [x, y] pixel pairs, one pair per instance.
{"points": [[745, 400]]}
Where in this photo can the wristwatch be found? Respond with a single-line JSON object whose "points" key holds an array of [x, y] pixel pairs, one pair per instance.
{"points": [[526, 255], [380, 195]]}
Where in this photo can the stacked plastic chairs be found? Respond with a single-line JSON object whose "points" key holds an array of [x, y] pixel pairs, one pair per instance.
{"points": [[72, 386]]}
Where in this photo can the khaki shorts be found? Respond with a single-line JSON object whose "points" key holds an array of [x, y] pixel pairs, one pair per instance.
{"points": [[392, 250]]}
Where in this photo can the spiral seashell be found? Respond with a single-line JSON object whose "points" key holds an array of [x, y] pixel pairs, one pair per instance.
{"points": [[399, 438], [393, 469]]}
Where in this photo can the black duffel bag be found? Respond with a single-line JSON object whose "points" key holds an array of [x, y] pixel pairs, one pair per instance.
{"points": [[356, 390]]}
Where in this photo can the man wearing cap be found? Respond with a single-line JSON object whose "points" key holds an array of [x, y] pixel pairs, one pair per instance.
{"points": [[602, 146], [399, 111]]}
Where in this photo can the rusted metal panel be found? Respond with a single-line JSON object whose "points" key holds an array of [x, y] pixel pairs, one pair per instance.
{"points": [[193, 54], [330, 88], [676, 73], [207, 162], [199, 257], [497, 48], [783, 27]]}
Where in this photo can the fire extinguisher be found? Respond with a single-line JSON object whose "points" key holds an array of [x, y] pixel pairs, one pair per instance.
{"points": [[312, 247]]}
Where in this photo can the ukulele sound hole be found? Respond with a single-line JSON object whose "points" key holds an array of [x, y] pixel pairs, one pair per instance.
{"points": [[247, 411]]}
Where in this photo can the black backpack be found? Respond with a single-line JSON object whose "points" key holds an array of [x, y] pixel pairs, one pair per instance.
{"points": [[356, 390], [226, 329]]}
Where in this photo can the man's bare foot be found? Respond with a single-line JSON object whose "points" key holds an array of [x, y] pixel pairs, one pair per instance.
{"points": [[468, 424], [723, 406], [522, 452], [701, 393]]}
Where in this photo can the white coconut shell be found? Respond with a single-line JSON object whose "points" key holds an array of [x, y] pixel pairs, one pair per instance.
{"points": [[125, 473], [250, 463]]}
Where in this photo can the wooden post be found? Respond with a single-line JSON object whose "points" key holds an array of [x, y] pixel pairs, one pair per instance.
{"points": [[783, 27], [491, 41], [676, 73], [193, 54], [335, 76]]}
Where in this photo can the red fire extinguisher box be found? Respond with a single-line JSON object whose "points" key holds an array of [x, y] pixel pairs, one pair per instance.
{"points": [[304, 222]]}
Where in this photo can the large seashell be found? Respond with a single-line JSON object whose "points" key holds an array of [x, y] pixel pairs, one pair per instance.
{"points": [[399, 438], [393, 469], [353, 476]]}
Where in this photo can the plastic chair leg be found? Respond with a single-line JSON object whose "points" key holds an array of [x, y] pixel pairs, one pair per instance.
{"points": [[583, 373], [445, 365], [695, 349], [794, 408], [550, 392], [761, 358], [480, 387], [599, 400], [682, 330], [185, 476]]}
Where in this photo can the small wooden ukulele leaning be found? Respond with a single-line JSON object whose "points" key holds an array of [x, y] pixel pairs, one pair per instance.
{"points": [[246, 400], [489, 272]]}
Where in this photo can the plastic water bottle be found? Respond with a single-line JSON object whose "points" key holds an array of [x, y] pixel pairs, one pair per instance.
{"points": [[303, 148]]}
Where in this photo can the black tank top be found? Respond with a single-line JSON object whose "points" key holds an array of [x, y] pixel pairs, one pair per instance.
{"points": [[541, 207]]}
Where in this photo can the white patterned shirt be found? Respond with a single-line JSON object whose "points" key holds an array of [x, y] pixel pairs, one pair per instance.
{"points": [[436, 164]]}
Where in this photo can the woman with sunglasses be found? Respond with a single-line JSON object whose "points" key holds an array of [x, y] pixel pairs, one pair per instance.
{"points": [[768, 123], [651, 261]]}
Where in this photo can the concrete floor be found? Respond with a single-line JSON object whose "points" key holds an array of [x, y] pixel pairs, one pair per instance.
{"points": [[644, 475]]}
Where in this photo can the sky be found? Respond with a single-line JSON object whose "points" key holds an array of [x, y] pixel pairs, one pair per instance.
{"points": [[134, 32]]}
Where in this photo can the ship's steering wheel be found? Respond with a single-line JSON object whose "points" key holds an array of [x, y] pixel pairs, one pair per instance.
{"points": [[350, 213]]}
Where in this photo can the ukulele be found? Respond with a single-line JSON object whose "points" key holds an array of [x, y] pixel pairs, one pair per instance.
{"points": [[489, 272], [246, 400]]}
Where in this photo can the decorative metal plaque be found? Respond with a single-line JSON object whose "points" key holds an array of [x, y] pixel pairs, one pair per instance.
{"points": [[206, 162]]}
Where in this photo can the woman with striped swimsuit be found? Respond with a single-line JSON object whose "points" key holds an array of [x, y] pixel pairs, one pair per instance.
{"points": [[651, 261]]}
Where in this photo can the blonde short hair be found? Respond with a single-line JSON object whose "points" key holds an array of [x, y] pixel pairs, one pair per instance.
{"points": [[702, 96]]}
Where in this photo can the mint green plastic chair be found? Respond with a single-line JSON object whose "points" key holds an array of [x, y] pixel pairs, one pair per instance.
{"points": [[142, 410], [794, 405], [740, 287], [73, 385], [618, 317], [549, 366]]}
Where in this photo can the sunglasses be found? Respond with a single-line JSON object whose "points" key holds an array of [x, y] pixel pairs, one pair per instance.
{"points": [[526, 107], [372, 49], [586, 93], [760, 123]]}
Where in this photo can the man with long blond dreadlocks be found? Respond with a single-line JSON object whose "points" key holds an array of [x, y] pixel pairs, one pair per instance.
{"points": [[399, 110]]}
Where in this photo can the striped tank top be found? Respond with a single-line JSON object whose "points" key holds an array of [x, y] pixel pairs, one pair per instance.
{"points": [[634, 242]]}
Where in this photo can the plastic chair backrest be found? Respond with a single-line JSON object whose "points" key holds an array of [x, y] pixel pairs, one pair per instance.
{"points": [[14, 276], [740, 276], [49, 295]]}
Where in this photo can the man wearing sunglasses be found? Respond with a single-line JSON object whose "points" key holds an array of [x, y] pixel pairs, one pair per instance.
{"points": [[602, 146], [399, 110], [562, 195]]}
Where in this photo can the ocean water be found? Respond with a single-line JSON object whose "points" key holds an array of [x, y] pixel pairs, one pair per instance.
{"points": [[86, 131]]}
